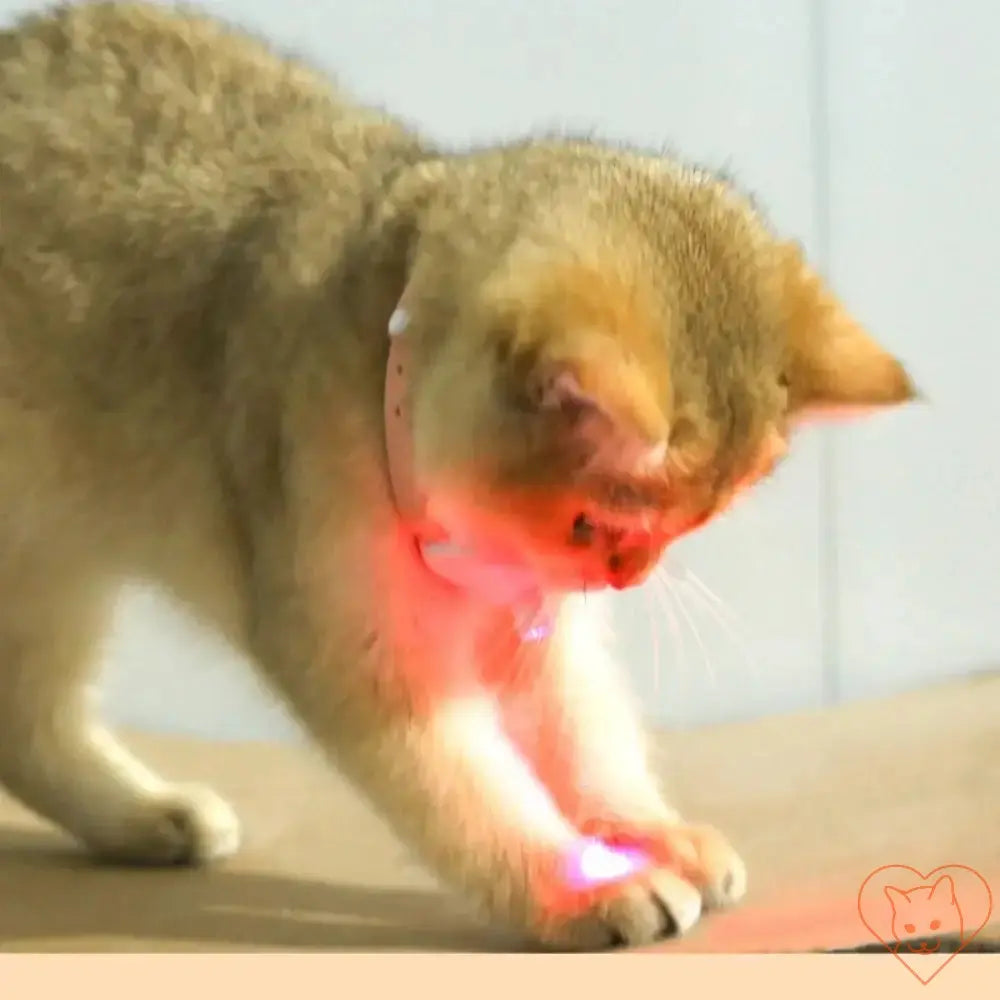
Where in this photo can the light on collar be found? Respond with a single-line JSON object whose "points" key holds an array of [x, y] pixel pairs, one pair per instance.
{"points": [[462, 566]]}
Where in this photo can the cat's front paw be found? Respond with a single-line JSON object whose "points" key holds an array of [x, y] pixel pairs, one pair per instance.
{"points": [[700, 854], [638, 909]]}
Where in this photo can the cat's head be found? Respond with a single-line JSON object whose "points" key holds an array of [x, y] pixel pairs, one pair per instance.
{"points": [[613, 348], [925, 911]]}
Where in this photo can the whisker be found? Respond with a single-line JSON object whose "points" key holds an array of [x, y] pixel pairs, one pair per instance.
{"points": [[711, 595], [697, 635], [722, 615], [662, 592], [655, 639]]}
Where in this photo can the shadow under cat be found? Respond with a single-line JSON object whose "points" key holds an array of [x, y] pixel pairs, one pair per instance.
{"points": [[212, 909]]}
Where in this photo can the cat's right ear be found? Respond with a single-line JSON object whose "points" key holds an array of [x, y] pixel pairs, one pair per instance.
{"points": [[834, 367]]}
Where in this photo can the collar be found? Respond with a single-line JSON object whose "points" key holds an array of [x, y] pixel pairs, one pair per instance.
{"points": [[398, 435], [460, 565]]}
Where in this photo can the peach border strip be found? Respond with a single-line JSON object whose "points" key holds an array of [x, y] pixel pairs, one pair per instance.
{"points": [[472, 976]]}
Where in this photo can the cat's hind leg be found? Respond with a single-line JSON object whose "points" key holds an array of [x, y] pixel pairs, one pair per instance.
{"points": [[57, 758]]}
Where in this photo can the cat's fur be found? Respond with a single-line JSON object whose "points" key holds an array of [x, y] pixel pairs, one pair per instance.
{"points": [[202, 244]]}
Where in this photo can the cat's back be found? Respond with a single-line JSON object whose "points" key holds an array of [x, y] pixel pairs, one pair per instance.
{"points": [[117, 106], [138, 145]]}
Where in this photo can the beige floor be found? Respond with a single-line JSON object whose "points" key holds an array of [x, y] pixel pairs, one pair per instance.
{"points": [[815, 801]]}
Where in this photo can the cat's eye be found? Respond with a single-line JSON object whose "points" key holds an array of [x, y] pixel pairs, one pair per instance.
{"points": [[909, 928], [583, 530], [935, 924]]}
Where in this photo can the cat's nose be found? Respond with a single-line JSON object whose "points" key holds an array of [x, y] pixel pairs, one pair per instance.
{"points": [[627, 567]]}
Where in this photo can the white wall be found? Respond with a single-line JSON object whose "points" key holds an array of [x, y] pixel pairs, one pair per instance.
{"points": [[914, 149], [867, 128]]}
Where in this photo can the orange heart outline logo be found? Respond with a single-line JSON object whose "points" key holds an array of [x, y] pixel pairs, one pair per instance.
{"points": [[962, 893]]}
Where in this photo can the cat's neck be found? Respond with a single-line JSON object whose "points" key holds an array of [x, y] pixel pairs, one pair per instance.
{"points": [[409, 349], [507, 584]]}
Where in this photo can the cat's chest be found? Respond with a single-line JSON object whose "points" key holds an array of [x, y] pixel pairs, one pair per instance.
{"points": [[446, 638]]}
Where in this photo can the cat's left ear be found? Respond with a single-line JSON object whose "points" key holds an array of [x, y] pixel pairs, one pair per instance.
{"points": [[834, 366], [580, 340]]}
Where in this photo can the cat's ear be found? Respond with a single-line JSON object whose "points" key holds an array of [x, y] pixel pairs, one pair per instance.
{"points": [[896, 897], [581, 338], [609, 407], [835, 368], [943, 890]]}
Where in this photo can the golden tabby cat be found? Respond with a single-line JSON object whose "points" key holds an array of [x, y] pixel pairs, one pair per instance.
{"points": [[204, 248]]}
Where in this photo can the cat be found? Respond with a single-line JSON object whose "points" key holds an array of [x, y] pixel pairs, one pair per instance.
{"points": [[205, 251], [922, 911]]}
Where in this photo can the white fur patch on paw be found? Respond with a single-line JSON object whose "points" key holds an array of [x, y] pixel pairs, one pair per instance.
{"points": [[205, 826], [724, 876], [727, 887], [681, 899], [186, 825]]}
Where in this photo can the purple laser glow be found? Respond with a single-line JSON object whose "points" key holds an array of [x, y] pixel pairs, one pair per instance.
{"points": [[593, 862]]}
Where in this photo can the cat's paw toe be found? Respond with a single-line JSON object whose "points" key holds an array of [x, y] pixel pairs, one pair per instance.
{"points": [[699, 853], [186, 825], [679, 906], [645, 908], [718, 870]]}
